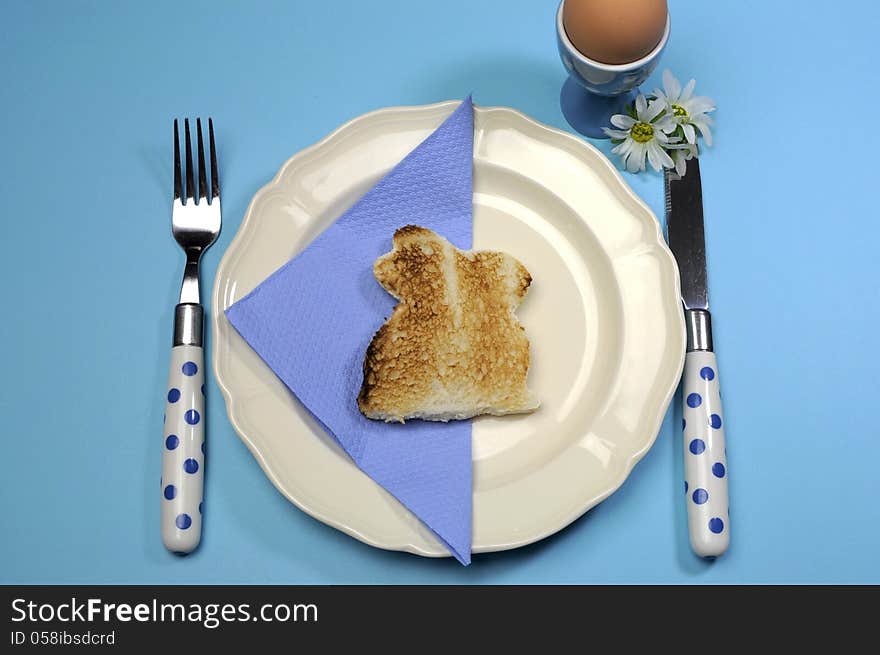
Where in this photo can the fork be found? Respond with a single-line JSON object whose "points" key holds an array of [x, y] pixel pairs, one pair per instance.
{"points": [[195, 224]]}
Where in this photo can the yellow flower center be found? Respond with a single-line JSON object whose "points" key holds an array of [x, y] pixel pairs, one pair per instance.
{"points": [[678, 110], [642, 132]]}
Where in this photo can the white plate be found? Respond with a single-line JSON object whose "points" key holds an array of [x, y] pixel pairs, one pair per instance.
{"points": [[603, 315]]}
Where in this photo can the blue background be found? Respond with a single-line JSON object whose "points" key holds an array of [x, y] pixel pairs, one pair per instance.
{"points": [[91, 272]]}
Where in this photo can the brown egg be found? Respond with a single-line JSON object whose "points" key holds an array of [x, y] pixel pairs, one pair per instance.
{"points": [[614, 31]]}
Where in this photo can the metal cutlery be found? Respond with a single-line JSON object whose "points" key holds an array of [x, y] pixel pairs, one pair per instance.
{"points": [[705, 456], [195, 224]]}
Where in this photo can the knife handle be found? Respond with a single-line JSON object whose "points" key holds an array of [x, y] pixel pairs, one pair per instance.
{"points": [[705, 457], [183, 450]]}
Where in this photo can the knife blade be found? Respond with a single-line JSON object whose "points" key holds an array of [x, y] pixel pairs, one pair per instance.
{"points": [[684, 226], [705, 455]]}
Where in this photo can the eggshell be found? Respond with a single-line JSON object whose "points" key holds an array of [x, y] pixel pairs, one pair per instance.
{"points": [[614, 31]]}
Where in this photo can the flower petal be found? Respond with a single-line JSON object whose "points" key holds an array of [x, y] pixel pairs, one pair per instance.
{"points": [[705, 131], [615, 134], [625, 150], [699, 105], [654, 110], [661, 155], [688, 91], [641, 105], [643, 156], [667, 124], [653, 157], [622, 121], [680, 162], [635, 161], [672, 85], [689, 132], [622, 148]]}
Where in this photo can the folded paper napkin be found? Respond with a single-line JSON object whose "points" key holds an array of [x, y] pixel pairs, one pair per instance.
{"points": [[312, 320]]}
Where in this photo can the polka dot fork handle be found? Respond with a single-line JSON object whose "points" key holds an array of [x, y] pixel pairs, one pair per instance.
{"points": [[183, 451], [195, 224], [705, 457]]}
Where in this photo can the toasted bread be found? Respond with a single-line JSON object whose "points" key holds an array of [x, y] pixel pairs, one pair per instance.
{"points": [[453, 347]]}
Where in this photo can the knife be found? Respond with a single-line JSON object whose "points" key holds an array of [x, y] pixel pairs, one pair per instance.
{"points": [[705, 457]]}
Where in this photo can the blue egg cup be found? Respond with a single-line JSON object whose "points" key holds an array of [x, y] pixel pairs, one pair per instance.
{"points": [[595, 91], [587, 112]]}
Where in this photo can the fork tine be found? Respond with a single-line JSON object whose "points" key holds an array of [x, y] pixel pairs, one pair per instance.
{"points": [[177, 183], [189, 162], [215, 179], [203, 183]]}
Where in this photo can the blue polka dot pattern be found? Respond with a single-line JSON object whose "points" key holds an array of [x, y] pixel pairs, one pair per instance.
{"points": [[694, 400], [716, 525], [683, 423], [697, 446], [700, 496], [707, 373], [685, 486], [718, 469], [183, 450], [715, 421]]}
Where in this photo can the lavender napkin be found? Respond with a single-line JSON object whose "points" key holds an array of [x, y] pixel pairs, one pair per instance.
{"points": [[312, 319]]}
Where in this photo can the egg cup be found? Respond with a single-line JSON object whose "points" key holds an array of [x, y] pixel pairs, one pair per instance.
{"points": [[595, 91]]}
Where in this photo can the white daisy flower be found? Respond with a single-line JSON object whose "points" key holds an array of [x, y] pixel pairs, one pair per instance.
{"points": [[690, 111], [647, 134]]}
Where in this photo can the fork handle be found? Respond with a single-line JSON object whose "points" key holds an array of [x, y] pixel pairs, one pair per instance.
{"points": [[183, 446]]}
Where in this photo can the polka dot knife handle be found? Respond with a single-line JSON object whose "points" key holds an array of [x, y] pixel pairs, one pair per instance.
{"points": [[705, 458], [183, 451]]}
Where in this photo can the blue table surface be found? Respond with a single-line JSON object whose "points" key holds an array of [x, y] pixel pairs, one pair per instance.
{"points": [[88, 93]]}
